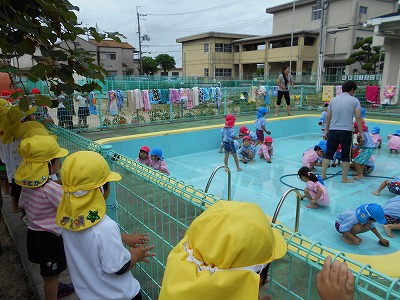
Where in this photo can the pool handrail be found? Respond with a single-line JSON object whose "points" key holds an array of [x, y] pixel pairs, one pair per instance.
{"points": [[212, 176], [278, 207]]}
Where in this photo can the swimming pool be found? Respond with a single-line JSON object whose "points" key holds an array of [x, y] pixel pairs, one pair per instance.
{"points": [[192, 155]]}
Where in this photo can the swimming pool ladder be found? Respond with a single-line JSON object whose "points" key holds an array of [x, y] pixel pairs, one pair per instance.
{"points": [[212, 176], [278, 208]]}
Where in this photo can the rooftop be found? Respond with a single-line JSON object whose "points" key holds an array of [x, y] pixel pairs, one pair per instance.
{"points": [[112, 44]]}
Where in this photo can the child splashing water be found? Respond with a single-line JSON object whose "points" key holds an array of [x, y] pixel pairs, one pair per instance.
{"points": [[314, 191]]}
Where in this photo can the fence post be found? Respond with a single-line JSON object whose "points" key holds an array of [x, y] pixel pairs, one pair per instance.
{"points": [[225, 101], [99, 110], [111, 202], [171, 117], [301, 97]]}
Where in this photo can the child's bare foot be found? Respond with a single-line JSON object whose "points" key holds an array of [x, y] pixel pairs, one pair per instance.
{"points": [[375, 193], [347, 180], [358, 177], [323, 177], [312, 205], [244, 161], [347, 240], [251, 161], [388, 231], [239, 169]]}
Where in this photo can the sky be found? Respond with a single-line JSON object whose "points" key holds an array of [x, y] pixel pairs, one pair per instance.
{"points": [[164, 21]]}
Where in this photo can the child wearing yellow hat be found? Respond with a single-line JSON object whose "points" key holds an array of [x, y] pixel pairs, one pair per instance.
{"points": [[222, 254], [40, 197], [98, 262]]}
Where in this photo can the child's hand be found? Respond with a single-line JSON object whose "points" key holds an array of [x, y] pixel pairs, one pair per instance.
{"points": [[135, 238], [384, 242], [141, 253], [268, 132], [356, 240]]}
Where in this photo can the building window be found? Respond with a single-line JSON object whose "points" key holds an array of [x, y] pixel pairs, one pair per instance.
{"points": [[220, 47], [359, 39], [316, 13], [206, 48], [175, 73], [219, 72], [206, 72], [164, 73], [309, 41], [363, 10], [111, 56]]}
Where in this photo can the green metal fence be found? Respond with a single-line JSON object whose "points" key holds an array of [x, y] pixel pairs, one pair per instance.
{"points": [[164, 207], [304, 98]]}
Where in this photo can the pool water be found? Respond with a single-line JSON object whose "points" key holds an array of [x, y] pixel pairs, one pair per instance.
{"points": [[192, 155]]}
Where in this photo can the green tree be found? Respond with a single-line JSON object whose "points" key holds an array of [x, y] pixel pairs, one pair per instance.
{"points": [[31, 24], [370, 58], [165, 61], [149, 64]]}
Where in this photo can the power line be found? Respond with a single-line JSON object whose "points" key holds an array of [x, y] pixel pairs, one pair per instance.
{"points": [[222, 6]]}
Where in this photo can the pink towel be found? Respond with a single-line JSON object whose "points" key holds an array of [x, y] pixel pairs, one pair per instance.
{"points": [[372, 94], [339, 90], [389, 91]]}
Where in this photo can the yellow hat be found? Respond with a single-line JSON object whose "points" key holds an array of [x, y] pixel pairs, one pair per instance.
{"points": [[12, 121], [36, 153], [220, 254], [32, 128], [4, 102], [82, 204]]}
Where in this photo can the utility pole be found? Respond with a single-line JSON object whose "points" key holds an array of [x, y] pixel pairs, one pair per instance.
{"points": [[140, 41], [322, 39], [291, 38]]}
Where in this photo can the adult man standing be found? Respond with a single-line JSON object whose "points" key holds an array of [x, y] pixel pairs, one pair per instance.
{"points": [[339, 127]]}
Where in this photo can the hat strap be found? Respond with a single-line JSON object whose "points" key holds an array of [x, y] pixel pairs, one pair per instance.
{"points": [[201, 266]]}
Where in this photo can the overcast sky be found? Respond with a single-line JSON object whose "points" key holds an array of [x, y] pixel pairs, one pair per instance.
{"points": [[167, 20]]}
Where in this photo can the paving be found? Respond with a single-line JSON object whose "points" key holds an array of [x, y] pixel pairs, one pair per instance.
{"points": [[18, 228]]}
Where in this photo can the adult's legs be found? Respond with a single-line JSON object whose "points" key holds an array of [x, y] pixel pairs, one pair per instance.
{"points": [[287, 98], [278, 102]]}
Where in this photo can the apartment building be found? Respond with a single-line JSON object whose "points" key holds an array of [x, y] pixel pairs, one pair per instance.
{"points": [[116, 58], [209, 54], [238, 56]]}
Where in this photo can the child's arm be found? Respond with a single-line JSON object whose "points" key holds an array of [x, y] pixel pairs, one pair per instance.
{"points": [[265, 130], [317, 196], [382, 241]]}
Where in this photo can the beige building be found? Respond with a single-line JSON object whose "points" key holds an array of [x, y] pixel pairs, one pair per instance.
{"points": [[238, 56], [209, 54], [116, 58]]}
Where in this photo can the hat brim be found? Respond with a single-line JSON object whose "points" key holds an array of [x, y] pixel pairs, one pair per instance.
{"points": [[113, 176], [61, 153], [280, 247]]}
